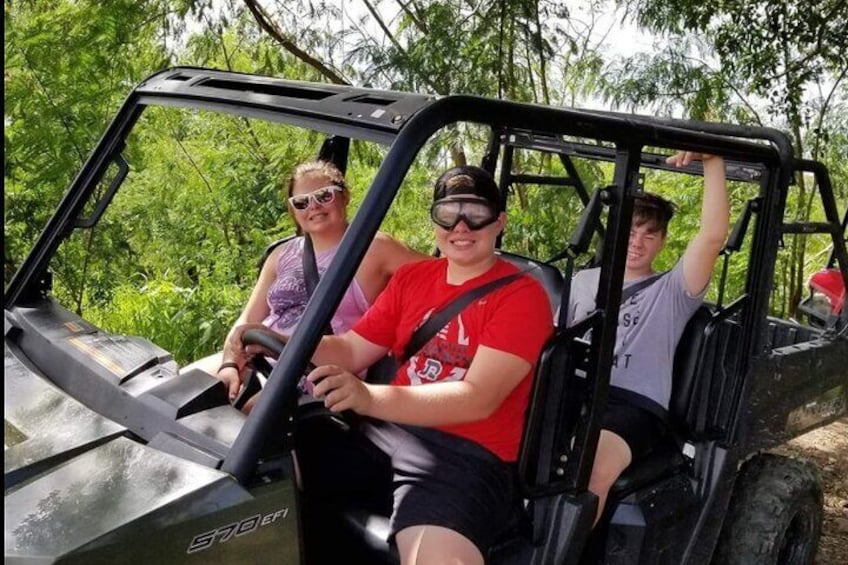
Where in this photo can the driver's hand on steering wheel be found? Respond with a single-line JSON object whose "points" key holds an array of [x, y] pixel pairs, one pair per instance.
{"points": [[241, 354], [341, 390], [232, 379], [236, 352]]}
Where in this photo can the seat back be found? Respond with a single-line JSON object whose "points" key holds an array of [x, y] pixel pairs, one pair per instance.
{"points": [[548, 276], [686, 366], [699, 407], [704, 373]]}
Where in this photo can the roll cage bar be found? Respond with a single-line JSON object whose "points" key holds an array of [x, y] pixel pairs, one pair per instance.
{"points": [[405, 122]]}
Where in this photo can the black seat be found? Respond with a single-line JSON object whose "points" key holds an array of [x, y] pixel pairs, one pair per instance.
{"points": [[687, 365], [704, 346], [549, 276], [667, 456]]}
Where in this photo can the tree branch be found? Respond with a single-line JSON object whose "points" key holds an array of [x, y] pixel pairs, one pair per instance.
{"points": [[224, 218], [543, 78], [815, 151], [367, 39], [59, 114], [729, 84], [413, 17], [266, 23], [399, 47]]}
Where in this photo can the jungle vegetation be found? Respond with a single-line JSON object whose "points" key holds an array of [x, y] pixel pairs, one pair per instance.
{"points": [[176, 255]]}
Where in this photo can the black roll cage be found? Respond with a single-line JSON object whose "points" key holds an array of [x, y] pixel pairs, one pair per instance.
{"points": [[405, 122]]}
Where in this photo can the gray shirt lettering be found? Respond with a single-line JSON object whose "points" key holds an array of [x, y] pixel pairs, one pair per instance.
{"points": [[650, 324]]}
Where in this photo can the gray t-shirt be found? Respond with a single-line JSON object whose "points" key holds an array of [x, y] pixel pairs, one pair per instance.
{"points": [[649, 326]]}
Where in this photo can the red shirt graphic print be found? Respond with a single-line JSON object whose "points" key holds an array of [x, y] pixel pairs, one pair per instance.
{"points": [[446, 357]]}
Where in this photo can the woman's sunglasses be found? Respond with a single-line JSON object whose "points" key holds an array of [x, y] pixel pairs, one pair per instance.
{"points": [[322, 197], [476, 214]]}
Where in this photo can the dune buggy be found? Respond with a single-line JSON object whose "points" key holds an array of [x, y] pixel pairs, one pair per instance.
{"points": [[112, 456]]}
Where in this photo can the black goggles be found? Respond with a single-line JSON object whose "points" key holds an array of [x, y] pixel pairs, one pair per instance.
{"points": [[476, 213]]}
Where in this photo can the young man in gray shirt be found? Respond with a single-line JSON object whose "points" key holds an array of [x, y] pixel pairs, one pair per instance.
{"points": [[651, 321]]}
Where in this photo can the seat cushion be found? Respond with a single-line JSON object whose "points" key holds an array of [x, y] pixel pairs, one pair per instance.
{"points": [[661, 462]]}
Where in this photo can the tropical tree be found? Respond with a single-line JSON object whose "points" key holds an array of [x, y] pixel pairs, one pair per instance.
{"points": [[763, 62], [210, 185], [67, 67]]}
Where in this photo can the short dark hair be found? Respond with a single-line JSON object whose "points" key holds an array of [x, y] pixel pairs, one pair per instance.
{"points": [[470, 180], [653, 208]]}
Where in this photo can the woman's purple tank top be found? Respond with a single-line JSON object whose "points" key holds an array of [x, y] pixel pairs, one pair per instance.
{"points": [[287, 295]]}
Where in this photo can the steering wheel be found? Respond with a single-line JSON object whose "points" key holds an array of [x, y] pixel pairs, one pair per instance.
{"points": [[308, 406]]}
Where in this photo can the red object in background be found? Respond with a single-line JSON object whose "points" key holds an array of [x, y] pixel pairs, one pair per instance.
{"points": [[829, 282]]}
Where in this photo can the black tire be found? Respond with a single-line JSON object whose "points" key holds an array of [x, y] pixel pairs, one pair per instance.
{"points": [[775, 515]]}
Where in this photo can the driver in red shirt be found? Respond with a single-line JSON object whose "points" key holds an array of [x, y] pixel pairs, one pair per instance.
{"points": [[442, 436]]}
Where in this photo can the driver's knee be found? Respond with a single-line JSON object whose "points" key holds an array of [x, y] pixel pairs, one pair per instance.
{"points": [[426, 545], [251, 402]]}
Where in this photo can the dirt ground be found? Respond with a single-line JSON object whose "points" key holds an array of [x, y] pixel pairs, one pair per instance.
{"points": [[827, 448]]}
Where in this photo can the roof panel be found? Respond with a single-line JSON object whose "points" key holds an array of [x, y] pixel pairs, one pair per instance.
{"points": [[361, 112]]}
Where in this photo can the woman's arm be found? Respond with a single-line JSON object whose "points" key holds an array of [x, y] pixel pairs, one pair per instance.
{"points": [[254, 311], [385, 256], [395, 254]]}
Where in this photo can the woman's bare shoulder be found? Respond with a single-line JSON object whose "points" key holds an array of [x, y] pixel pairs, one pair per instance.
{"points": [[274, 255], [391, 253], [384, 243]]}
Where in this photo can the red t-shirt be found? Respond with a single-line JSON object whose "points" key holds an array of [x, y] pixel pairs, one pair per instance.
{"points": [[515, 318]]}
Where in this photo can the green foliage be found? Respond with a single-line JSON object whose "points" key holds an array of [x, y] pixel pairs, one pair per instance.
{"points": [[175, 257], [500, 49], [57, 106], [542, 218], [763, 62], [671, 78], [775, 47], [203, 199], [189, 322]]}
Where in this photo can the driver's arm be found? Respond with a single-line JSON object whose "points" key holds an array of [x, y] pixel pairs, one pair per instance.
{"points": [[254, 311], [349, 350], [492, 376]]}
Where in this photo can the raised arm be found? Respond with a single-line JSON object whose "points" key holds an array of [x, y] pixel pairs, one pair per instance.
{"points": [[701, 253]]}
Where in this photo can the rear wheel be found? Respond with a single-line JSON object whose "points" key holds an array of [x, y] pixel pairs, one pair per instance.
{"points": [[775, 515]]}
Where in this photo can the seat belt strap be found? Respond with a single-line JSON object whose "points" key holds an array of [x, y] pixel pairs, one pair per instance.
{"points": [[628, 292], [446, 313], [310, 273]]}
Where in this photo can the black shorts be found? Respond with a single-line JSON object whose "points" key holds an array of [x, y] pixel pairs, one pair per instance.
{"points": [[641, 429], [417, 476]]}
